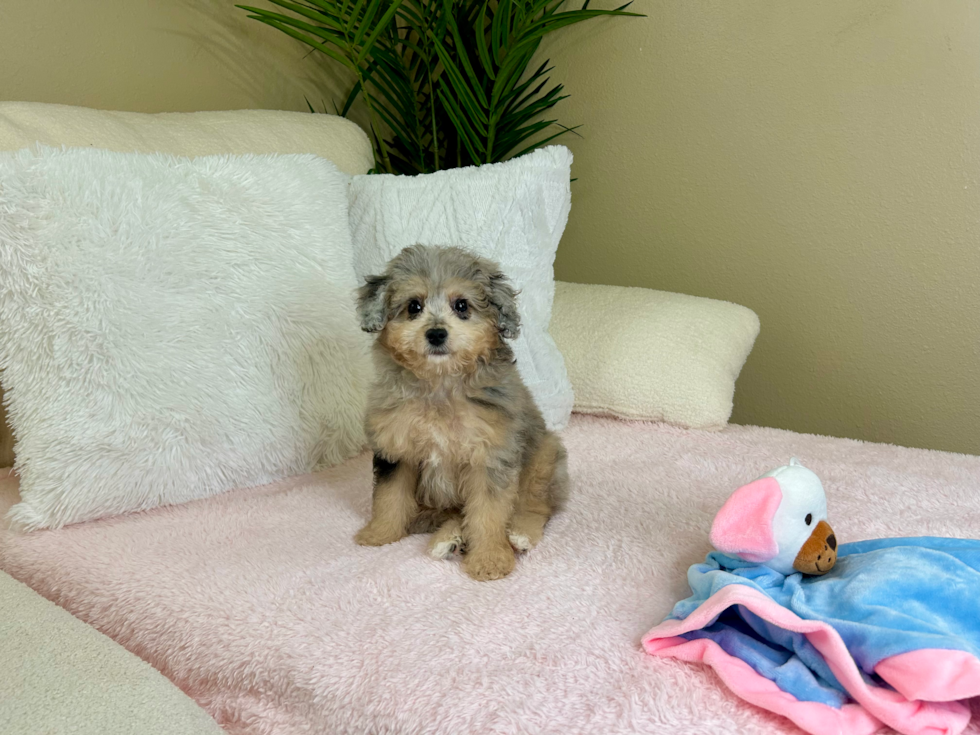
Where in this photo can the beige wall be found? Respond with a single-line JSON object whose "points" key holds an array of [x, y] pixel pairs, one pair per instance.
{"points": [[815, 161], [154, 56]]}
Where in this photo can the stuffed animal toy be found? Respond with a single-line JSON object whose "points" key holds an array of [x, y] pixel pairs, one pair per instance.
{"points": [[780, 521], [891, 636]]}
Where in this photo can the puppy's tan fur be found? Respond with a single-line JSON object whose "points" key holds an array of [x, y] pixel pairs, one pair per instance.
{"points": [[459, 445]]}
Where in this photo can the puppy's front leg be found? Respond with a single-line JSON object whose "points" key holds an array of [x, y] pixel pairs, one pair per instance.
{"points": [[393, 506], [486, 513]]}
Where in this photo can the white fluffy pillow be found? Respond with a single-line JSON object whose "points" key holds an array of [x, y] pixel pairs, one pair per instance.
{"points": [[651, 355], [171, 328], [513, 213]]}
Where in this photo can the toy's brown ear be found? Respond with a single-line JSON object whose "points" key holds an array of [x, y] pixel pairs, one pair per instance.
{"points": [[819, 553]]}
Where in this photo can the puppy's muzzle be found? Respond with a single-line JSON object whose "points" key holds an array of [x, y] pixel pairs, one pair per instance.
{"points": [[436, 336]]}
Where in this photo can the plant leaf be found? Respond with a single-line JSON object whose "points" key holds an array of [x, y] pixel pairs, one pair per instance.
{"points": [[481, 41], [499, 30], [317, 15], [381, 26], [364, 22], [466, 133], [540, 143], [354, 14], [461, 88], [350, 99], [464, 59], [305, 39]]}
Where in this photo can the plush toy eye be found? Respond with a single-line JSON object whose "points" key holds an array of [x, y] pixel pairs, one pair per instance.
{"points": [[460, 306], [414, 307], [809, 518]]}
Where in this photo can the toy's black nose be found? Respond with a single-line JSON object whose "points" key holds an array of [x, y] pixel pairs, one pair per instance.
{"points": [[436, 336], [832, 541]]}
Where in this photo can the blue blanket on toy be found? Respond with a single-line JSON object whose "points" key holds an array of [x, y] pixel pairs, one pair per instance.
{"points": [[884, 598]]}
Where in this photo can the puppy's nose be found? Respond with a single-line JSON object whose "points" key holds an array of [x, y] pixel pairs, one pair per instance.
{"points": [[436, 336], [832, 541]]}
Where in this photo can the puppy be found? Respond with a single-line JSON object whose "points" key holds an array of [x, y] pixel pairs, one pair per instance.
{"points": [[459, 445]]}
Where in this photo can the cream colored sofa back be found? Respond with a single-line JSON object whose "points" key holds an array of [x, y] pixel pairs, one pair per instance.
{"points": [[184, 134], [187, 133]]}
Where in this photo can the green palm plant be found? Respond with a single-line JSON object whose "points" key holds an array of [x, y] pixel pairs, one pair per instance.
{"points": [[446, 83]]}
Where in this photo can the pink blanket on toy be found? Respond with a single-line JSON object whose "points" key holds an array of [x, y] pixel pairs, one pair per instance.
{"points": [[258, 604]]}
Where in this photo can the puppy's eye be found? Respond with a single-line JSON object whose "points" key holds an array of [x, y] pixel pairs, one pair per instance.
{"points": [[414, 307], [461, 306], [809, 518]]}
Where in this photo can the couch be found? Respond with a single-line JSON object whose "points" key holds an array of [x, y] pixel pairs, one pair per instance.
{"points": [[256, 605]]}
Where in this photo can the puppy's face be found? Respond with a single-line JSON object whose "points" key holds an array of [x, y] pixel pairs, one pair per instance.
{"points": [[439, 311], [439, 328]]}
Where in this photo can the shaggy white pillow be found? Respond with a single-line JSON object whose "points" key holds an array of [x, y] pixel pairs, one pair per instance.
{"points": [[23, 124], [513, 212], [173, 327]]}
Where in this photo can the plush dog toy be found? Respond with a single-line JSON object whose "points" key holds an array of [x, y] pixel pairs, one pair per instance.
{"points": [[779, 520]]}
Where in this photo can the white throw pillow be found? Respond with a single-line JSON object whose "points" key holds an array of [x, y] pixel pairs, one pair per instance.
{"points": [[23, 124], [173, 327], [513, 213], [635, 353]]}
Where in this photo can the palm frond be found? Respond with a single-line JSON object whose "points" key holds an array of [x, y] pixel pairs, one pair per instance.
{"points": [[446, 82]]}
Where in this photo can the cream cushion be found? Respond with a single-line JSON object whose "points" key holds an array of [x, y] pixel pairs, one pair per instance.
{"points": [[635, 353], [184, 134], [187, 133], [60, 675]]}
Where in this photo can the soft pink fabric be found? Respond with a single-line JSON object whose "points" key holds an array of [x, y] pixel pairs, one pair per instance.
{"points": [[742, 679], [912, 717], [258, 604], [743, 526], [933, 674]]}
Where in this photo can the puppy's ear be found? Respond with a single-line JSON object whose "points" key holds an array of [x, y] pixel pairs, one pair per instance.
{"points": [[504, 299], [372, 303]]}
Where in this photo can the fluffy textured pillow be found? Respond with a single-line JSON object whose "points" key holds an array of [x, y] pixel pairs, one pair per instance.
{"points": [[23, 124], [512, 212], [173, 327], [635, 353]]}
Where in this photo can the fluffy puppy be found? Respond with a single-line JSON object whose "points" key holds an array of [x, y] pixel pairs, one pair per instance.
{"points": [[459, 445]]}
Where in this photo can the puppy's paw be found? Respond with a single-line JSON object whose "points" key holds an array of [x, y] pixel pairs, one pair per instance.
{"points": [[372, 535], [526, 530], [444, 548], [447, 540], [489, 564]]}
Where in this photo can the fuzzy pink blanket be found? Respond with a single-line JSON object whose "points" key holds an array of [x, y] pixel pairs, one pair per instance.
{"points": [[258, 604]]}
